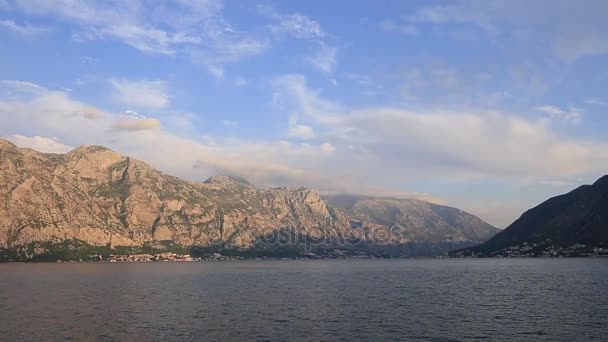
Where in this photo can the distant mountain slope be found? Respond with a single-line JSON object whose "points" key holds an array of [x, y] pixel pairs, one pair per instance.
{"points": [[576, 220], [417, 221], [99, 197]]}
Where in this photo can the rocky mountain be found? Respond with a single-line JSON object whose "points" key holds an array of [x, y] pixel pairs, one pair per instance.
{"points": [[93, 198], [435, 228], [572, 224]]}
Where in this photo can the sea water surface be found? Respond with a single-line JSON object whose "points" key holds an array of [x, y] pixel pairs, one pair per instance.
{"points": [[326, 300]]}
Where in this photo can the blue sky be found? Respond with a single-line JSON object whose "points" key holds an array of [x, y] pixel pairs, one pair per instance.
{"points": [[489, 106]]}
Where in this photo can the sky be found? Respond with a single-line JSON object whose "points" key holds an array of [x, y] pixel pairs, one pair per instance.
{"points": [[488, 106]]}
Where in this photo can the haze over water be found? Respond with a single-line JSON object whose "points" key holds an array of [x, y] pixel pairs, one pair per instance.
{"points": [[424, 299]]}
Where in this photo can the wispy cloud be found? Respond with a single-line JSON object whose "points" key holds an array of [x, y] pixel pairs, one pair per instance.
{"points": [[130, 22], [194, 28], [596, 102], [572, 115], [227, 49], [141, 94], [324, 59], [556, 25], [403, 28], [13, 89], [231, 123], [240, 82], [292, 92], [294, 24], [299, 26], [24, 29]]}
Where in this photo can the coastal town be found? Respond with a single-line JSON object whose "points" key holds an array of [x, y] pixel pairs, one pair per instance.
{"points": [[176, 257], [518, 251], [167, 256], [547, 250]]}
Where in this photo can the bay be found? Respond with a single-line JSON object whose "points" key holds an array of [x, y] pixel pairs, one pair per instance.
{"points": [[307, 300]]}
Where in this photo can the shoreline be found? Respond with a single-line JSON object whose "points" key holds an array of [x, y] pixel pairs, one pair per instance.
{"points": [[300, 259]]}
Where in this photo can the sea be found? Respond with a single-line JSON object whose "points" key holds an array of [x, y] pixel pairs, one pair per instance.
{"points": [[307, 300]]}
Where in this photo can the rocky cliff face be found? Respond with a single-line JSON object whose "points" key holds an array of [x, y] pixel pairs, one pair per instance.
{"points": [[101, 197]]}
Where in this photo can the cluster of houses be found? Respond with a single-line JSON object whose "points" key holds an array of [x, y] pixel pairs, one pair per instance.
{"points": [[529, 250], [168, 256]]}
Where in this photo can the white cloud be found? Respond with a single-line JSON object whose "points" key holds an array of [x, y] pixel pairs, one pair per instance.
{"points": [[299, 26], [150, 40], [299, 131], [295, 24], [24, 29], [324, 59], [38, 143], [141, 94], [10, 87], [426, 144], [596, 102], [230, 123], [572, 115], [292, 91], [240, 82], [194, 28], [38, 111], [226, 49], [130, 22]]}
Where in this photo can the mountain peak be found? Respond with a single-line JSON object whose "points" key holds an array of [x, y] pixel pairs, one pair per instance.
{"points": [[96, 152], [90, 149]]}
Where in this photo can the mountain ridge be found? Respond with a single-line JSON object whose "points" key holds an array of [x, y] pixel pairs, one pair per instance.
{"points": [[434, 219], [100, 197]]}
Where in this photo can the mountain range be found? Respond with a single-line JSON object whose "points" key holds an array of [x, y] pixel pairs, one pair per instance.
{"points": [[573, 224], [93, 200]]}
